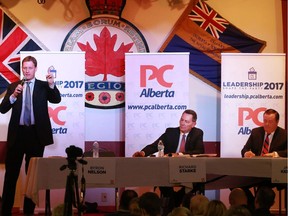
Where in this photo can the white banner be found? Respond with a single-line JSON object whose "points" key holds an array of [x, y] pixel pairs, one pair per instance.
{"points": [[251, 83], [157, 92], [183, 170], [279, 171], [67, 117], [101, 169]]}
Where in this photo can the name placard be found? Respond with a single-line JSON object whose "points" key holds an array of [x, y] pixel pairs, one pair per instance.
{"points": [[100, 171], [279, 171], [183, 170]]}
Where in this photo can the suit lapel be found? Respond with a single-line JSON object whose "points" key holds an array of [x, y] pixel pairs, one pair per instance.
{"points": [[175, 138], [274, 140], [189, 135], [35, 91]]}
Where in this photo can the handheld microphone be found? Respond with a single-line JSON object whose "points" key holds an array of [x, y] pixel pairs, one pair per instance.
{"points": [[23, 81]]}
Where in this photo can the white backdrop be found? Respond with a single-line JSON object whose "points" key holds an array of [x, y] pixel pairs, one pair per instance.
{"points": [[157, 92], [251, 83]]}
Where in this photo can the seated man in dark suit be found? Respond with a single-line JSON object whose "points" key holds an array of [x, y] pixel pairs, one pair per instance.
{"points": [[277, 138], [173, 136], [267, 140], [172, 139]]}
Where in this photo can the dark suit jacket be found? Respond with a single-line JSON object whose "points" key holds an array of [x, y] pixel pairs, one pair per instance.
{"points": [[256, 139], [194, 142], [42, 93]]}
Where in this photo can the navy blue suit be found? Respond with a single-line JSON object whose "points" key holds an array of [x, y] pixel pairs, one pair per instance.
{"points": [[25, 140]]}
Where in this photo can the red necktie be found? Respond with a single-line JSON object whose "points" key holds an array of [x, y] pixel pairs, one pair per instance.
{"points": [[265, 148], [182, 144]]}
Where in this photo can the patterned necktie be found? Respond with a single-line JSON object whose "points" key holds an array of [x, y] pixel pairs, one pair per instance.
{"points": [[265, 148], [182, 144], [27, 106]]}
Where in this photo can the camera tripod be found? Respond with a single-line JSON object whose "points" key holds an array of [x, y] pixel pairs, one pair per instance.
{"points": [[72, 196]]}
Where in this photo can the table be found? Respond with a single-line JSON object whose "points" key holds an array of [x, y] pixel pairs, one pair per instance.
{"points": [[113, 172]]}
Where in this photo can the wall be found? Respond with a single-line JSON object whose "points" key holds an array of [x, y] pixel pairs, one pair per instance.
{"points": [[51, 22]]}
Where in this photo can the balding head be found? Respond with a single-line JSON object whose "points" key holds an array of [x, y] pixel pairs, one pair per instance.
{"points": [[237, 197]]}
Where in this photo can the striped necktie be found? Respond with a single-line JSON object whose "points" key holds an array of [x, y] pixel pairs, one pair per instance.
{"points": [[265, 148]]}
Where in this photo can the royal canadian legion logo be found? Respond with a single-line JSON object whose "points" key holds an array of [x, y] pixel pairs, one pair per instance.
{"points": [[105, 40]]}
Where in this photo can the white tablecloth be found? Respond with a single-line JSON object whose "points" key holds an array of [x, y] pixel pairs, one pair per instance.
{"points": [[45, 173]]}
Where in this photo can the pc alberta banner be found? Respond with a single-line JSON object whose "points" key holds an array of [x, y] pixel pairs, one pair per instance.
{"points": [[251, 83], [205, 34], [157, 92]]}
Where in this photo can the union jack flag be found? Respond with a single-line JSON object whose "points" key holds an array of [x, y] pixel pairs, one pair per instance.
{"points": [[13, 39], [208, 19]]}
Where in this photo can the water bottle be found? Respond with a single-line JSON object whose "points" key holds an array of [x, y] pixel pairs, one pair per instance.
{"points": [[95, 149], [160, 149]]}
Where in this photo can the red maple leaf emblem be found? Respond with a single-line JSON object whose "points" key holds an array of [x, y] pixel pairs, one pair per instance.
{"points": [[104, 60]]}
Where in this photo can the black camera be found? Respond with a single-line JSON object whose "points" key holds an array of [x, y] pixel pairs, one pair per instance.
{"points": [[73, 153]]}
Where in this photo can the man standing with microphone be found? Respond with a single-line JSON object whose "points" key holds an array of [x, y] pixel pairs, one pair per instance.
{"points": [[29, 129]]}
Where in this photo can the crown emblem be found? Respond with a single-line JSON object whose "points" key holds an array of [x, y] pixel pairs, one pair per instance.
{"points": [[105, 7]]}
